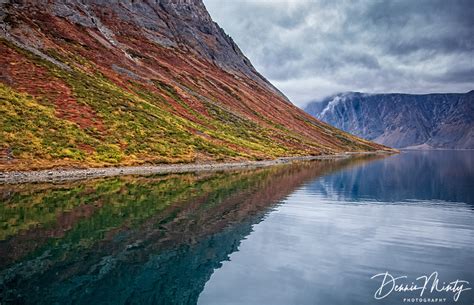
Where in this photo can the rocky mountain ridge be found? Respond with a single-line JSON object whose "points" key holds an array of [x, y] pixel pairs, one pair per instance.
{"points": [[429, 121]]}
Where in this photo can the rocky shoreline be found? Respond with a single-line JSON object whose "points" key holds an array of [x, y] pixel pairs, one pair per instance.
{"points": [[58, 175]]}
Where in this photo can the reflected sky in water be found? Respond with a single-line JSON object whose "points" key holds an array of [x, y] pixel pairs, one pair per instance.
{"points": [[409, 214], [309, 233]]}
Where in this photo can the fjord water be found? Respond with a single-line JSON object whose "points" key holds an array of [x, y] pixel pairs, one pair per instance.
{"points": [[308, 233]]}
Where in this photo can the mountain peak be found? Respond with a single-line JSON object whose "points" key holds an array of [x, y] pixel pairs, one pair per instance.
{"points": [[182, 24]]}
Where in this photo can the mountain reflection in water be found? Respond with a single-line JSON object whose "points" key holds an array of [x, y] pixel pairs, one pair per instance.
{"points": [[135, 240]]}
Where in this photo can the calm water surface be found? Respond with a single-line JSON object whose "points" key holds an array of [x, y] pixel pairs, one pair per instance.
{"points": [[309, 233]]}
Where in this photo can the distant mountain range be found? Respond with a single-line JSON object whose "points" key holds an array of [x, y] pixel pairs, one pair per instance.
{"points": [[428, 121], [97, 83]]}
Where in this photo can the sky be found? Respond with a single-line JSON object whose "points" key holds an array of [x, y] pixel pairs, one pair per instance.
{"points": [[311, 49]]}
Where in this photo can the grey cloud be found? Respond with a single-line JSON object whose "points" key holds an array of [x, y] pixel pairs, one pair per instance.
{"points": [[310, 49], [457, 76]]}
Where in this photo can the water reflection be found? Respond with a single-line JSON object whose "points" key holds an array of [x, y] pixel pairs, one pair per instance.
{"points": [[153, 240], [410, 215], [310, 233], [412, 175]]}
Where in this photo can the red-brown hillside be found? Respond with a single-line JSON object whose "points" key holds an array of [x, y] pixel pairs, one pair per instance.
{"points": [[126, 82]]}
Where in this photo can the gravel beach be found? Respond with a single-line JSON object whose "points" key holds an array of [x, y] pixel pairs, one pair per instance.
{"points": [[57, 175]]}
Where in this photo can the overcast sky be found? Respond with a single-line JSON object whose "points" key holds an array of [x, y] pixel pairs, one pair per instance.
{"points": [[312, 49]]}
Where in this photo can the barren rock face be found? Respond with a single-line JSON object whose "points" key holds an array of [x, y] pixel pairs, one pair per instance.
{"points": [[403, 120]]}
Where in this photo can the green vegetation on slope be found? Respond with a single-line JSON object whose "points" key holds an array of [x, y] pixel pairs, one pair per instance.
{"points": [[81, 117], [138, 128]]}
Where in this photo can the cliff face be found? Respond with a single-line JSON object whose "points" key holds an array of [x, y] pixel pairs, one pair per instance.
{"points": [[101, 82], [440, 121]]}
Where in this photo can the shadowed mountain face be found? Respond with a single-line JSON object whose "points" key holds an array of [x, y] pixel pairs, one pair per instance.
{"points": [[439, 121], [126, 82], [153, 240]]}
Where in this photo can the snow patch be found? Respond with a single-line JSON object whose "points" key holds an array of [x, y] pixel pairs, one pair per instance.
{"points": [[331, 105]]}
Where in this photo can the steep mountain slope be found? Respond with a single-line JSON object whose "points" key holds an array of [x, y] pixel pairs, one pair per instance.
{"points": [[438, 121], [95, 83]]}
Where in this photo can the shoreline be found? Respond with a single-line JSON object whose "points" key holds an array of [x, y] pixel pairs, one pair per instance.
{"points": [[71, 174]]}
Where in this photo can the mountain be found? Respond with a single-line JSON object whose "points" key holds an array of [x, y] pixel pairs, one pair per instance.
{"points": [[430, 121], [97, 83]]}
